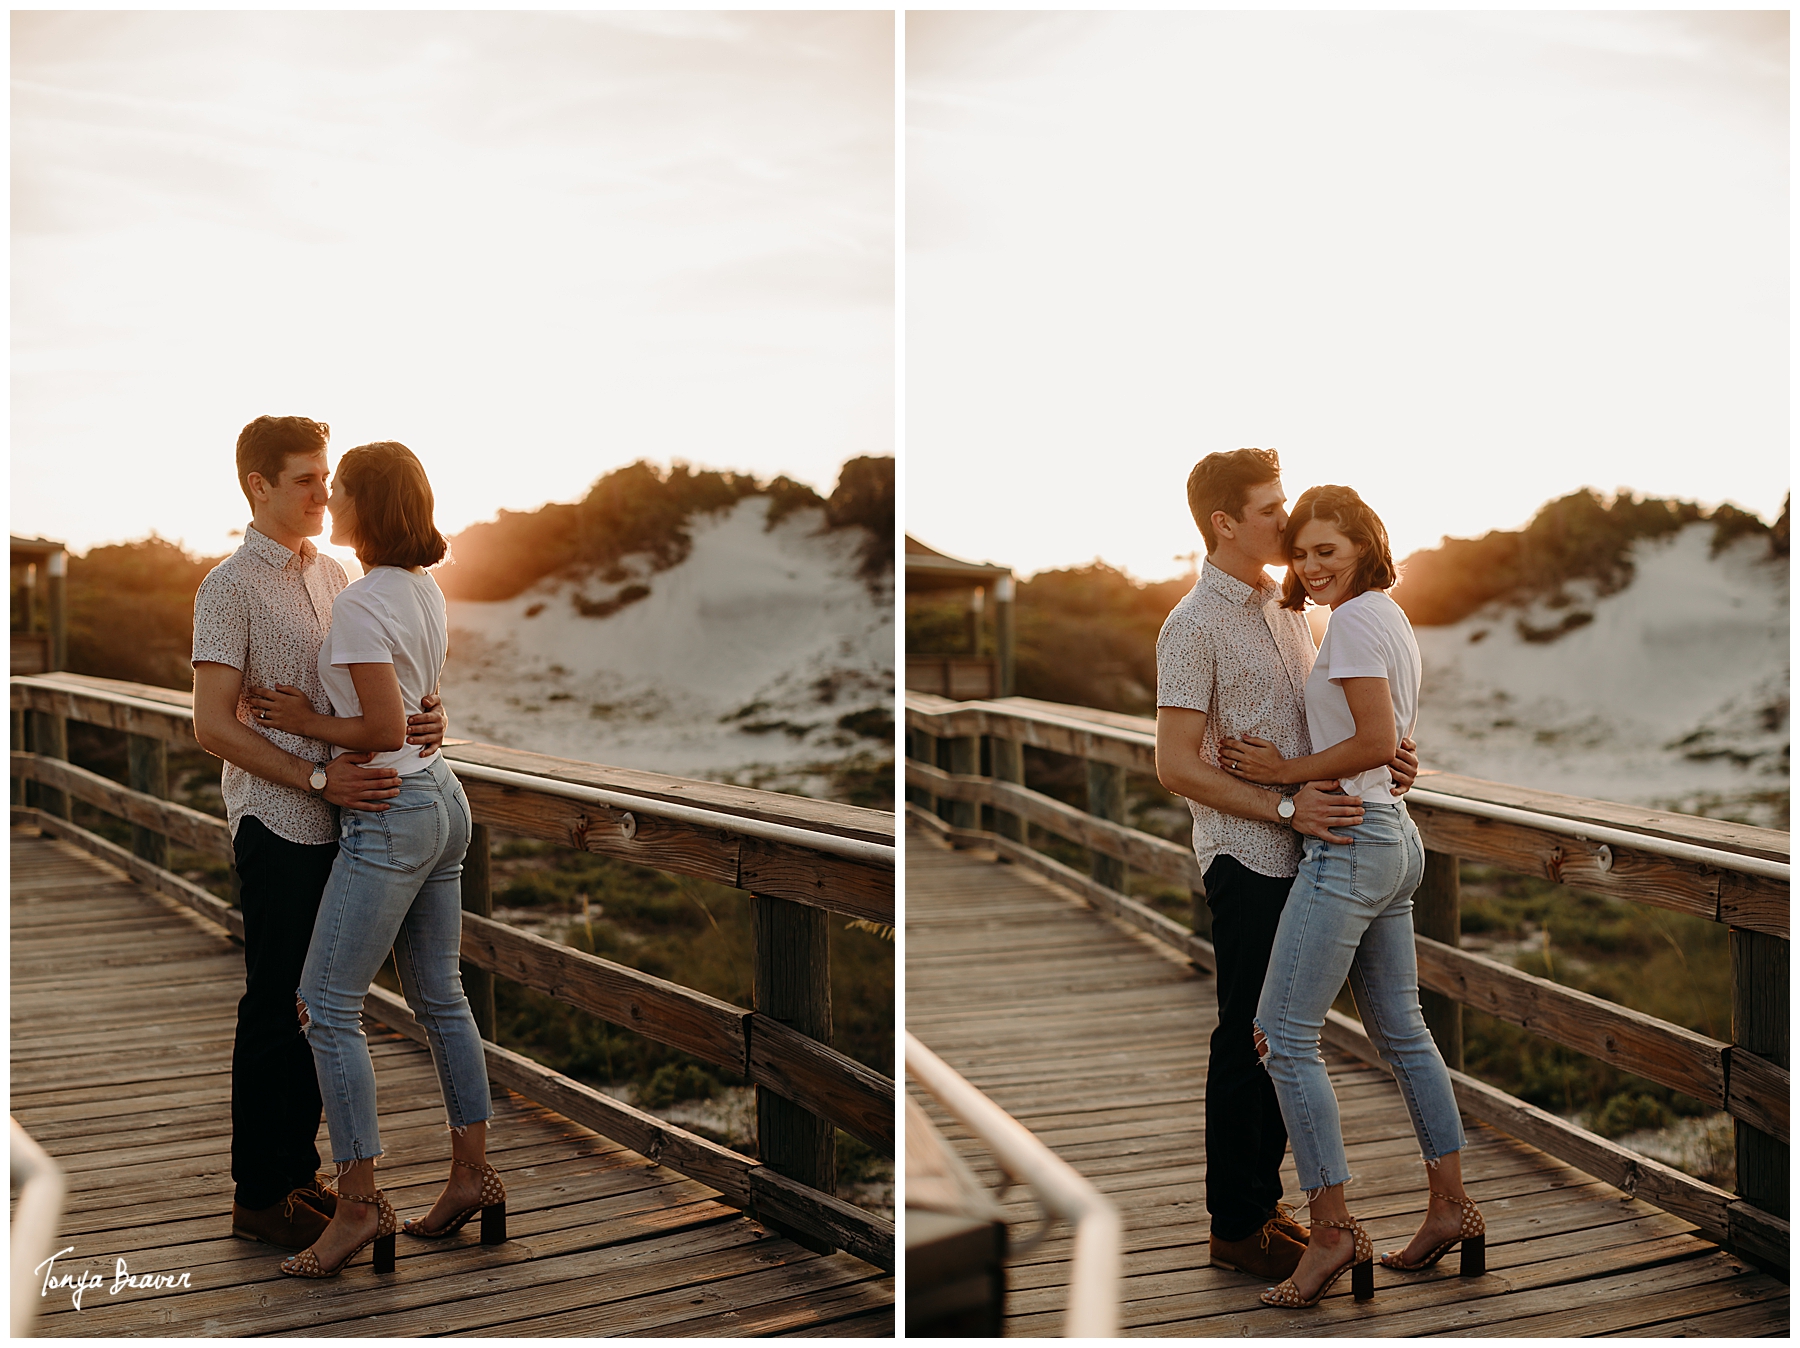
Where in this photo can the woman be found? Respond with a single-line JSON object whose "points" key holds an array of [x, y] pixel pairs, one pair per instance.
{"points": [[396, 881], [1349, 913]]}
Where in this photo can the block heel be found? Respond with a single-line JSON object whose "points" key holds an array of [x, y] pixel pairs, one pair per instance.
{"points": [[493, 1226], [1362, 1281], [1472, 1237], [491, 1205], [384, 1253], [1474, 1256]]}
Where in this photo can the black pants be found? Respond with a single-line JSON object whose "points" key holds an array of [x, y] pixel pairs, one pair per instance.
{"points": [[1245, 1137], [275, 1108]]}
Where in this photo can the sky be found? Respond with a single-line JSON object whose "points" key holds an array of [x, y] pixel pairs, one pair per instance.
{"points": [[533, 247], [1465, 263]]}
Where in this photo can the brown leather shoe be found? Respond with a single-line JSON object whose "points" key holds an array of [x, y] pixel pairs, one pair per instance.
{"points": [[291, 1224], [1283, 1221], [319, 1195], [1270, 1254]]}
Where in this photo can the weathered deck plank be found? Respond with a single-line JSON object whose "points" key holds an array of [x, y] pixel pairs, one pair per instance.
{"points": [[123, 1006], [1095, 1038]]}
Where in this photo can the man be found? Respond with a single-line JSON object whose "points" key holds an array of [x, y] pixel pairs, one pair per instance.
{"points": [[1230, 662], [259, 619]]}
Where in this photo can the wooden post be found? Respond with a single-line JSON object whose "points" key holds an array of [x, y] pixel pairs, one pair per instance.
{"points": [[1008, 758], [793, 986], [1106, 800], [925, 749], [19, 744], [965, 759], [1437, 913], [1759, 1023], [57, 569], [148, 771], [49, 736], [1003, 632], [478, 898]]}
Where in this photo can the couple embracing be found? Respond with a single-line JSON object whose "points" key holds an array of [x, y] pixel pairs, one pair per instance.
{"points": [[1295, 765], [348, 830]]}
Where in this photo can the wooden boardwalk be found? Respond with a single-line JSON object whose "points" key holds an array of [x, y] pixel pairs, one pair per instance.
{"points": [[1095, 1038], [123, 1005]]}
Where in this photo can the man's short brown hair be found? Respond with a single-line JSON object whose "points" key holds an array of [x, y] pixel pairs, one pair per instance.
{"points": [[1223, 482], [387, 484], [264, 445]]}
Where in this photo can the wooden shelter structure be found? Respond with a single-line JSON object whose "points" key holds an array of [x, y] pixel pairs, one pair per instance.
{"points": [[40, 618], [968, 673]]}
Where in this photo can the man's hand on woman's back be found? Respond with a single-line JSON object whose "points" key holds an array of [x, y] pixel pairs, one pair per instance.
{"points": [[429, 725], [1404, 766], [1320, 807], [355, 787]]}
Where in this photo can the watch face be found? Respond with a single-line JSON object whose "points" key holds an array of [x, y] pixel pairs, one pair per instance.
{"points": [[317, 780], [1285, 807]]}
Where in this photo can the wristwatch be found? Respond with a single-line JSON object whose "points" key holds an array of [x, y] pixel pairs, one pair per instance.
{"points": [[1285, 807], [318, 779]]}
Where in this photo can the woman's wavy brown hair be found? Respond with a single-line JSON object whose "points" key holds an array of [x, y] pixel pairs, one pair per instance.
{"points": [[393, 506], [1339, 506]]}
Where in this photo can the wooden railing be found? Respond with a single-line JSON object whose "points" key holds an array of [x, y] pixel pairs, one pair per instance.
{"points": [[799, 859], [1724, 872]]}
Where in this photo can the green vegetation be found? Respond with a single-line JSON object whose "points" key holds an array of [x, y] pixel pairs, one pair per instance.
{"points": [[1670, 965], [131, 612], [1085, 636]]}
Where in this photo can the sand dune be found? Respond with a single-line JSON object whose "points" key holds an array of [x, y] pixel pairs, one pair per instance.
{"points": [[1674, 694], [748, 653]]}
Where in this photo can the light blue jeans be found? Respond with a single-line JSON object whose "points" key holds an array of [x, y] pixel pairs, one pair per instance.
{"points": [[1349, 914], [396, 884]]}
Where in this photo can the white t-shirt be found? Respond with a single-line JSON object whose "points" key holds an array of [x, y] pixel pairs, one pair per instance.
{"points": [[1368, 637], [389, 617]]}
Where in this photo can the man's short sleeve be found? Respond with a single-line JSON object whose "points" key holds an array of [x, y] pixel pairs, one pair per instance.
{"points": [[1358, 647], [221, 623], [1184, 664], [359, 636]]}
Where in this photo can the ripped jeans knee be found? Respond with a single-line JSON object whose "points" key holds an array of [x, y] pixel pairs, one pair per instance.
{"points": [[304, 1016], [1257, 1037]]}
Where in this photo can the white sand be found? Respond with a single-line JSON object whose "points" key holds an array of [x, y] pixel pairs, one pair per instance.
{"points": [[1694, 646], [777, 617]]}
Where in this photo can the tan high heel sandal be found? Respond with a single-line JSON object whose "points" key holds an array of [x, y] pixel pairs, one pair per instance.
{"points": [[491, 1205], [306, 1264], [1361, 1263], [1472, 1237]]}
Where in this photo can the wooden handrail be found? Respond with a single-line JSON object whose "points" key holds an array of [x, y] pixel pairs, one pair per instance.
{"points": [[725, 848], [1756, 902], [1728, 873], [1093, 1310], [1600, 833]]}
